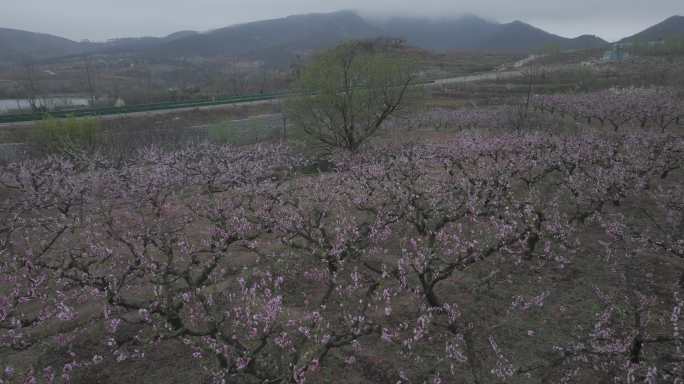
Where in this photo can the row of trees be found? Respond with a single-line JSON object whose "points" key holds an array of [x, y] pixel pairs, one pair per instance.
{"points": [[434, 263], [643, 107], [102, 80], [348, 93], [30, 87]]}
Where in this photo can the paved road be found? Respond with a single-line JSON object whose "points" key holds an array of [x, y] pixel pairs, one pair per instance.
{"points": [[479, 77]]}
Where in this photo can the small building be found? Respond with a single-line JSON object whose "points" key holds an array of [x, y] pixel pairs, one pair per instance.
{"points": [[616, 53], [119, 103]]}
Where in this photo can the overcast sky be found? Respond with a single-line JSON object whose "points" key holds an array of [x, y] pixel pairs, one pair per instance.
{"points": [[104, 19]]}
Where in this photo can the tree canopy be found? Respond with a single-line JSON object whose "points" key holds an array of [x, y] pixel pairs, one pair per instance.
{"points": [[344, 95]]}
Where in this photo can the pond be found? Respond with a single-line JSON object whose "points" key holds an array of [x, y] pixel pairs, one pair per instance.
{"points": [[23, 105]]}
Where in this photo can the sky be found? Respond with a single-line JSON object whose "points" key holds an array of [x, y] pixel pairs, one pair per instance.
{"points": [[99, 20]]}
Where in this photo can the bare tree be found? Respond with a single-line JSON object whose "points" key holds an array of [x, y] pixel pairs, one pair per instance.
{"points": [[29, 85], [147, 73], [87, 63], [531, 75]]}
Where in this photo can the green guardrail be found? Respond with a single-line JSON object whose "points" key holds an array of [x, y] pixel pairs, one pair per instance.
{"points": [[24, 117]]}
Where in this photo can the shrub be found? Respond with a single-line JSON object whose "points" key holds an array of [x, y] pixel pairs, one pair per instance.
{"points": [[67, 136]]}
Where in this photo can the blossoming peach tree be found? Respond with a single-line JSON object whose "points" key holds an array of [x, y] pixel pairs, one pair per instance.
{"points": [[406, 263]]}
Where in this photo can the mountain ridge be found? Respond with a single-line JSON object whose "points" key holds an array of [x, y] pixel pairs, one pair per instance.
{"points": [[19, 44], [277, 39], [672, 27]]}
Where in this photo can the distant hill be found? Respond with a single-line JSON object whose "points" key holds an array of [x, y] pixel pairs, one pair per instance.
{"points": [[672, 27], [294, 34], [137, 44], [586, 42], [180, 35], [278, 41], [518, 36], [466, 32], [474, 33], [16, 45], [299, 34]]}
